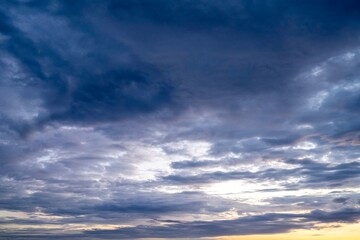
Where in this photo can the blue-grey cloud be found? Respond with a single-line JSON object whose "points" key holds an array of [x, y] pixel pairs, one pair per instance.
{"points": [[144, 113], [267, 223], [313, 173]]}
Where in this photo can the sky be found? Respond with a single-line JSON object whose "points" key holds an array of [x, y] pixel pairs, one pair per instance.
{"points": [[180, 119]]}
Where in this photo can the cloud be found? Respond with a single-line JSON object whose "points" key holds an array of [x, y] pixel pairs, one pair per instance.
{"points": [[342, 200], [260, 224], [80, 89], [177, 118], [194, 164], [312, 172]]}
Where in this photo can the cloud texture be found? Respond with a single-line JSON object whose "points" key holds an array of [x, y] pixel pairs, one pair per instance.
{"points": [[177, 119]]}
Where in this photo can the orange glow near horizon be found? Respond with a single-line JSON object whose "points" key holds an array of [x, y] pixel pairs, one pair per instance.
{"points": [[343, 232]]}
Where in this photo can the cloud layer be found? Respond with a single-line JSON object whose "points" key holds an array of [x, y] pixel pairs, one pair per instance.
{"points": [[177, 119]]}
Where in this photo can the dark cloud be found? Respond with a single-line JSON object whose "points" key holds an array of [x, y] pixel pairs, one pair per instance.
{"points": [[342, 200], [78, 81], [267, 223], [194, 164], [280, 141], [78, 199], [313, 173]]}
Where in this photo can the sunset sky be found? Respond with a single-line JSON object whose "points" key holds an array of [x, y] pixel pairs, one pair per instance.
{"points": [[186, 119]]}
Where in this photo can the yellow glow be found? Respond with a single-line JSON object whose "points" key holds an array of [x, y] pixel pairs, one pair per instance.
{"points": [[334, 232], [13, 214]]}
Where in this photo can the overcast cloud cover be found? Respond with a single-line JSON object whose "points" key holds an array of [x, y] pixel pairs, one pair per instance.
{"points": [[171, 119]]}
